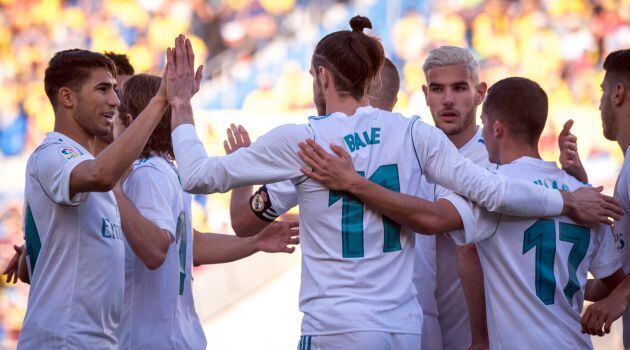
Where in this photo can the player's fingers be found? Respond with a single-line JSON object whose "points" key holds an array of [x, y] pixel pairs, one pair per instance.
{"points": [[612, 211], [244, 134], [317, 148], [598, 188], [566, 129], [198, 77], [313, 175], [307, 159], [608, 323], [226, 147], [293, 224], [308, 150], [237, 135], [230, 137], [613, 206], [570, 146], [15, 277], [190, 56], [289, 250], [585, 319], [339, 151], [294, 240]]}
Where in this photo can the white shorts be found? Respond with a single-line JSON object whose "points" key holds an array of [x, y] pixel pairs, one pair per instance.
{"points": [[431, 333], [360, 340]]}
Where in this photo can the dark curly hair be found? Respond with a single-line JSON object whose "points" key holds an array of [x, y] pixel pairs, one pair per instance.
{"points": [[134, 97]]}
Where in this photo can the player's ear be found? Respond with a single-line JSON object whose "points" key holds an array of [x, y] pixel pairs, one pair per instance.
{"points": [[425, 91], [325, 76], [128, 119], [480, 92], [620, 94], [66, 97], [498, 129]]}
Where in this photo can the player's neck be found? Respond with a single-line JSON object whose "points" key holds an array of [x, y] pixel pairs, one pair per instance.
{"points": [[99, 146], [513, 151], [623, 139], [462, 138], [346, 105], [67, 126]]}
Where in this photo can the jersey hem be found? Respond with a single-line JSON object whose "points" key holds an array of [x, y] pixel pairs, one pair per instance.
{"points": [[354, 330]]}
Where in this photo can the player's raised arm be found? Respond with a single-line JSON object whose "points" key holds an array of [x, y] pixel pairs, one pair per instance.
{"points": [[102, 173], [271, 158]]}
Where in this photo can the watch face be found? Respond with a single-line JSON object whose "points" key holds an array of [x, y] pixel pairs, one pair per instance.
{"points": [[259, 201]]}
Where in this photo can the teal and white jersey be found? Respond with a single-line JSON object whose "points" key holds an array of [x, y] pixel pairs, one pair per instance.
{"points": [[159, 311], [535, 270], [75, 254], [356, 265], [621, 229], [451, 300]]}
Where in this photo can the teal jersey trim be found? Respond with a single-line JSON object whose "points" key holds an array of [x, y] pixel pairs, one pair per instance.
{"points": [[181, 237], [320, 117], [32, 240], [413, 143]]}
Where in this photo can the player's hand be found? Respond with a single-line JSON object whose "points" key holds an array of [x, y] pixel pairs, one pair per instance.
{"points": [[11, 270], [333, 171], [278, 237], [237, 137], [588, 206], [182, 82], [569, 157], [598, 317]]}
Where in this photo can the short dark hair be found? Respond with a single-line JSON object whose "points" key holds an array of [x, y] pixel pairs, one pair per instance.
{"points": [[134, 97], [618, 63], [72, 68], [123, 66], [353, 58], [384, 90], [521, 104]]}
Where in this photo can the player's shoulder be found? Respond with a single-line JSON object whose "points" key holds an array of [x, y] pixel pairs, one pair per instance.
{"points": [[291, 131], [57, 148], [152, 167]]}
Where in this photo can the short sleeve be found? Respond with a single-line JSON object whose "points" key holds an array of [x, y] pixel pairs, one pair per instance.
{"points": [[605, 258], [53, 165], [479, 223], [149, 191], [282, 196]]}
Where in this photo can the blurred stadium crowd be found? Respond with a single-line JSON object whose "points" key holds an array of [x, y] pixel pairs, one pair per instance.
{"points": [[257, 55]]}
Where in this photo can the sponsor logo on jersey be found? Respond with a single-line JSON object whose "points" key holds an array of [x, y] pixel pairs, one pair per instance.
{"points": [[68, 153]]}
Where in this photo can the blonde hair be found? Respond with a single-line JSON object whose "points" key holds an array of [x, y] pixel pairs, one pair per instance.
{"points": [[445, 56]]}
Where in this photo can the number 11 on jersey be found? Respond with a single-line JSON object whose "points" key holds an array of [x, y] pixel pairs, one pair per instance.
{"points": [[352, 215]]}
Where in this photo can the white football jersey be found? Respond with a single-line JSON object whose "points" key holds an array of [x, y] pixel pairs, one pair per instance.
{"points": [[535, 270], [282, 197], [451, 300], [159, 311], [75, 254], [356, 265], [621, 229]]}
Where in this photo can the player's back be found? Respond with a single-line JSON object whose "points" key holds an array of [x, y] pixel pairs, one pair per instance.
{"points": [[535, 270], [357, 265]]}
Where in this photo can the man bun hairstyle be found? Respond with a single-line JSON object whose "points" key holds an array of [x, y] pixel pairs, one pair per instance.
{"points": [[71, 69], [134, 98], [353, 58], [358, 23], [521, 105]]}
